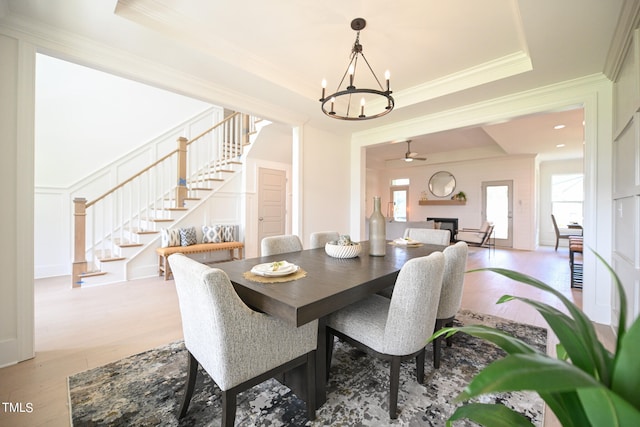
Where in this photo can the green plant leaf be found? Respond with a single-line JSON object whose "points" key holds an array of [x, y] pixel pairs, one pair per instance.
{"points": [[583, 324], [561, 353], [494, 415], [533, 371], [503, 340], [626, 371], [605, 408], [567, 407], [583, 354]]}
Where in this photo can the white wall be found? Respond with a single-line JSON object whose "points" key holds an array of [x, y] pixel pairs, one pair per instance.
{"points": [[325, 188], [86, 119], [16, 216], [626, 181], [469, 177]]}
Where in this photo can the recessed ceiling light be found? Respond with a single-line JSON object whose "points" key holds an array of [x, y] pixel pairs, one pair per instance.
{"points": [[559, 145], [559, 126]]}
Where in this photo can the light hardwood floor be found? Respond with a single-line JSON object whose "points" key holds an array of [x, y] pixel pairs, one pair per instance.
{"points": [[79, 329]]}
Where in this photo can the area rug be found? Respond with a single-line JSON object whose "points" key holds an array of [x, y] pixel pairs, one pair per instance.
{"points": [[146, 389]]}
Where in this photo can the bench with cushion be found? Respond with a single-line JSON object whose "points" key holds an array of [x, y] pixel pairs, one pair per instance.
{"points": [[187, 241], [163, 253]]}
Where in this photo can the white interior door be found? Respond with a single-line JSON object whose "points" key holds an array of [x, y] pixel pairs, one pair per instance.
{"points": [[272, 203], [497, 207]]}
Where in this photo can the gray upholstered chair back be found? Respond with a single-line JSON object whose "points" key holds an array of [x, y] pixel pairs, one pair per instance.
{"points": [[230, 341], [429, 236], [320, 238], [455, 263], [274, 245], [414, 304]]}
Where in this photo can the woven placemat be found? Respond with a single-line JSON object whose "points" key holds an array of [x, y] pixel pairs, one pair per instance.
{"points": [[281, 279], [411, 245]]}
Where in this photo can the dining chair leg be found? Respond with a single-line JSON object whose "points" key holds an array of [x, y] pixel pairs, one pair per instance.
{"points": [[329, 355], [311, 385], [436, 344], [228, 408], [192, 373], [449, 339], [394, 383], [420, 366]]}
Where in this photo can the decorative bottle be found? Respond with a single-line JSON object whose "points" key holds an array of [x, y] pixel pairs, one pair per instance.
{"points": [[377, 230]]}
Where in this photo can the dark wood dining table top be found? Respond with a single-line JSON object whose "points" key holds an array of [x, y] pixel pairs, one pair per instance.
{"points": [[330, 283]]}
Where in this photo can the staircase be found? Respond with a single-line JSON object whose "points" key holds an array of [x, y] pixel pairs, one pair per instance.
{"points": [[123, 224]]}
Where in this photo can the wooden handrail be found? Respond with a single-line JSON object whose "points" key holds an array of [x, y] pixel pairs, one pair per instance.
{"points": [[123, 183], [212, 128]]}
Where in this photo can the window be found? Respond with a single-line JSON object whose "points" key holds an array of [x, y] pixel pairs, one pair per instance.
{"points": [[567, 196], [398, 209]]}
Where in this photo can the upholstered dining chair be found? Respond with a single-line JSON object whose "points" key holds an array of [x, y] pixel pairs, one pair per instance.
{"points": [[238, 347], [559, 235], [394, 329], [455, 263], [321, 238], [429, 236], [274, 245]]}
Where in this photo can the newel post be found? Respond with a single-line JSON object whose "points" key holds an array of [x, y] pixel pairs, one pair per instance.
{"points": [[181, 189], [246, 129], [79, 245]]}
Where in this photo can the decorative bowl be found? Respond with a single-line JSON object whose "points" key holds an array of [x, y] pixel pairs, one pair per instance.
{"points": [[343, 251]]}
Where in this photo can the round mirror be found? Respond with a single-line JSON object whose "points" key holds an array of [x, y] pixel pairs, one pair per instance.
{"points": [[442, 184]]}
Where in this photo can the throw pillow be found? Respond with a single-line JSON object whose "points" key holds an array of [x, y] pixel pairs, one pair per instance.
{"points": [[169, 237], [227, 233], [188, 236], [212, 234]]}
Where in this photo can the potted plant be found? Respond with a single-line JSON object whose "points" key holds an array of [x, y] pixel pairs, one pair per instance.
{"points": [[586, 385], [460, 196]]}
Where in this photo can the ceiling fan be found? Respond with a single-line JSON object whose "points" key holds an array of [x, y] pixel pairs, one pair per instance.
{"points": [[409, 156]]}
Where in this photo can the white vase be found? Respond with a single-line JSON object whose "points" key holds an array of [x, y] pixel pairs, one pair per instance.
{"points": [[377, 230]]}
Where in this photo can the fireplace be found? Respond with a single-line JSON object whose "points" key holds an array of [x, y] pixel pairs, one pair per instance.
{"points": [[450, 224]]}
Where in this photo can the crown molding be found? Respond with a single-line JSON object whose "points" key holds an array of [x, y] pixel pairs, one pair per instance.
{"points": [[491, 71], [628, 21], [72, 47], [168, 21], [546, 98]]}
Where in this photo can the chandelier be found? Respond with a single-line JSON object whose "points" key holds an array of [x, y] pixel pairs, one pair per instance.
{"points": [[357, 103]]}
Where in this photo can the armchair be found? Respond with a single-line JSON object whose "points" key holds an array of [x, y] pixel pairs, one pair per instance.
{"points": [[238, 347], [476, 237], [394, 329]]}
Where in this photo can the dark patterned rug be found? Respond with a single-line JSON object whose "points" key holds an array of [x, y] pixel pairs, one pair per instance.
{"points": [[146, 389]]}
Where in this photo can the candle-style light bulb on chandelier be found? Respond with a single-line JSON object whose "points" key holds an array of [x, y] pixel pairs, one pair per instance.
{"points": [[338, 105]]}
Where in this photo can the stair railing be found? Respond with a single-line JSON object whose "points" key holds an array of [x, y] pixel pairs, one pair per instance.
{"points": [[110, 220]]}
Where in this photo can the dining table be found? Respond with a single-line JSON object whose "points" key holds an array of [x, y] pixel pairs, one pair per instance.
{"points": [[321, 285]]}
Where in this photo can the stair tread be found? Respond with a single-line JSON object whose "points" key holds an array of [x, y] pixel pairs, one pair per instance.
{"points": [[145, 232], [112, 259], [130, 245], [93, 273]]}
